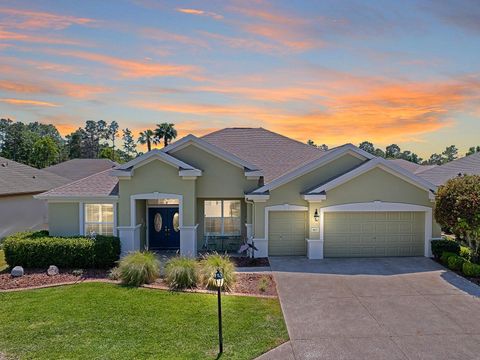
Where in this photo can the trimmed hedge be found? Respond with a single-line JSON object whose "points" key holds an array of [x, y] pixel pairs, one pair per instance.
{"points": [[39, 250], [445, 256], [441, 246]]}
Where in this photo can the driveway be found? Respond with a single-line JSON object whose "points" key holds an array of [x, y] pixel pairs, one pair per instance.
{"points": [[388, 308]]}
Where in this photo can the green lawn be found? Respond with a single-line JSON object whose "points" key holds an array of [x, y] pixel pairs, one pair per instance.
{"points": [[3, 263], [106, 321]]}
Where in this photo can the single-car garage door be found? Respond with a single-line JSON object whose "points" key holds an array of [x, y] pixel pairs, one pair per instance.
{"points": [[365, 234], [286, 233]]}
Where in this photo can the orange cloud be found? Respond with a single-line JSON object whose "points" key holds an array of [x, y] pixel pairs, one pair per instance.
{"points": [[54, 40], [200, 12], [165, 36], [73, 90], [27, 19], [28, 102], [135, 69]]}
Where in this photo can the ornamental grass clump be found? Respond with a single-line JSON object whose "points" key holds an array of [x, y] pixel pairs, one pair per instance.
{"points": [[181, 273], [208, 267], [139, 268]]}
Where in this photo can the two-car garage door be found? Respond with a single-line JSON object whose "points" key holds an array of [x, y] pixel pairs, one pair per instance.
{"points": [[365, 234]]}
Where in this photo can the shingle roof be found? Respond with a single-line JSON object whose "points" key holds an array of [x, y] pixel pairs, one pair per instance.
{"points": [[273, 153], [16, 178], [411, 166], [99, 184], [77, 169], [469, 165]]}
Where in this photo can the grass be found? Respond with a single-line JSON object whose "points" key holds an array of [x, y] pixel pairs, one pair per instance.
{"points": [[3, 263], [107, 321]]}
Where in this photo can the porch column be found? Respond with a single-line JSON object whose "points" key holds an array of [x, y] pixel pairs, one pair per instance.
{"points": [[188, 241]]}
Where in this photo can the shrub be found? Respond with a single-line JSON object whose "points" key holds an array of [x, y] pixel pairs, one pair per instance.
{"points": [[445, 256], [455, 262], [39, 250], [181, 272], [466, 252], [139, 268], [208, 267], [440, 246], [470, 269], [107, 251], [263, 283], [114, 273], [34, 250]]}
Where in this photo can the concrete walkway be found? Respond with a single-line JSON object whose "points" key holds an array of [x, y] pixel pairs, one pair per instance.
{"points": [[388, 308]]}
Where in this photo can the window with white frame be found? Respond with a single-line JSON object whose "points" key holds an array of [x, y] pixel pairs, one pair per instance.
{"points": [[99, 218], [222, 217]]}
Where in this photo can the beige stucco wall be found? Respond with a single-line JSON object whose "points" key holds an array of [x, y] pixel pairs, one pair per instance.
{"points": [[376, 184], [22, 213], [290, 193], [156, 176], [220, 179], [63, 219]]}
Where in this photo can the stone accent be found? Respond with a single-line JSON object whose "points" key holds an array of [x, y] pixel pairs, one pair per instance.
{"points": [[17, 271], [53, 270]]}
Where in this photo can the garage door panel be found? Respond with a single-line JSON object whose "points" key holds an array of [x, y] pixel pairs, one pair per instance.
{"points": [[287, 233], [365, 234]]}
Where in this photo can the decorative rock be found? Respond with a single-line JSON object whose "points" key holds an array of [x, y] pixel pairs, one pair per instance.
{"points": [[17, 271], [52, 270]]}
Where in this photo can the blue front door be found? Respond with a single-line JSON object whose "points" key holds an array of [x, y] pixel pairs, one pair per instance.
{"points": [[163, 231]]}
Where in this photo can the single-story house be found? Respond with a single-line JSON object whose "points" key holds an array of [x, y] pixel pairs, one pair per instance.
{"points": [[19, 211], [76, 169], [467, 165], [289, 198]]}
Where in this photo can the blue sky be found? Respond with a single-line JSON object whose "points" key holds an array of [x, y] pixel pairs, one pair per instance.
{"points": [[333, 71]]}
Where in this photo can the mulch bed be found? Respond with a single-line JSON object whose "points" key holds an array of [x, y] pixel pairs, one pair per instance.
{"points": [[247, 283], [39, 277], [250, 262]]}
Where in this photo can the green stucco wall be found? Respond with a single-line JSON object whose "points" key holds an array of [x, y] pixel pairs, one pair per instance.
{"points": [[63, 219], [376, 184], [219, 179], [157, 176], [290, 193]]}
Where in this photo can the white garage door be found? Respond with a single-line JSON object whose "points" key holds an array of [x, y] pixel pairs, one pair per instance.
{"points": [[286, 233], [365, 234]]}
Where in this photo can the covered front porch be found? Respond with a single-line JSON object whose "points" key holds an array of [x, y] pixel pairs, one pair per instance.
{"points": [[158, 224]]}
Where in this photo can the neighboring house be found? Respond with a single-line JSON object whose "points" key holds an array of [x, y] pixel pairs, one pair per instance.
{"points": [[411, 166], [468, 165], [77, 169], [19, 211], [249, 183]]}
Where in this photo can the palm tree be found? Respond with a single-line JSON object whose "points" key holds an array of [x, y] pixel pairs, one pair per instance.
{"points": [[147, 137], [166, 132]]}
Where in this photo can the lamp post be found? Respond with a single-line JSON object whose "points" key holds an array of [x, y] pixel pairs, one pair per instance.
{"points": [[219, 284]]}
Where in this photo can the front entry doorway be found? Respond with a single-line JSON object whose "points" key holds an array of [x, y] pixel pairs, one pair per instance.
{"points": [[163, 228]]}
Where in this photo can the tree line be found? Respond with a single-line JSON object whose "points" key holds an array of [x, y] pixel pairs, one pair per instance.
{"points": [[42, 145], [393, 151]]}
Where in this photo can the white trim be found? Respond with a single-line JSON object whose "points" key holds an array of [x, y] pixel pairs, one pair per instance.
{"points": [[63, 198], [312, 165], [385, 165], [81, 216], [257, 197], [155, 196], [210, 148], [155, 154], [382, 206], [190, 173], [284, 207], [315, 198]]}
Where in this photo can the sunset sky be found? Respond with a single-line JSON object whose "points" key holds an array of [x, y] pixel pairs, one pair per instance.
{"points": [[333, 71]]}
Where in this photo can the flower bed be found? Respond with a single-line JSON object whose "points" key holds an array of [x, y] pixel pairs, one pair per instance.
{"points": [[247, 283]]}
